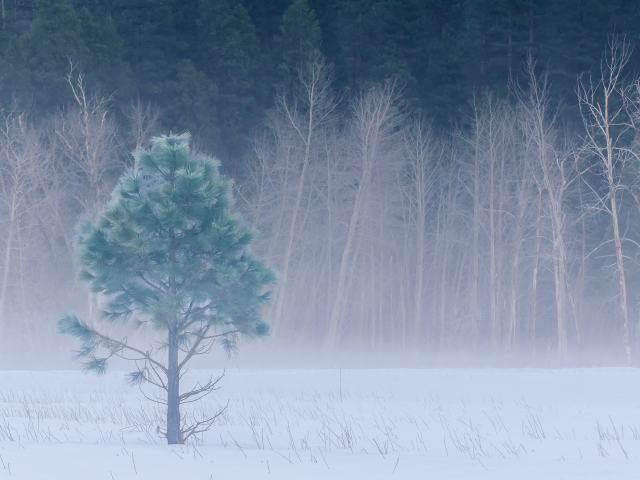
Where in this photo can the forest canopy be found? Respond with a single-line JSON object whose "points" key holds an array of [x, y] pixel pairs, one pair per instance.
{"points": [[211, 66]]}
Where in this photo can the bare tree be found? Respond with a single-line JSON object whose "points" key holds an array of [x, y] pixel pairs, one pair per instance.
{"points": [[374, 118], [522, 179], [534, 279], [23, 160], [317, 104], [424, 155], [144, 121], [87, 137], [490, 142], [475, 181], [377, 256], [604, 116], [554, 173]]}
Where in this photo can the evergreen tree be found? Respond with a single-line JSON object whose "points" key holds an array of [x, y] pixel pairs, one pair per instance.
{"points": [[231, 53], [168, 252], [104, 63], [299, 36], [267, 18], [153, 46], [195, 97], [54, 38], [360, 33], [230, 56]]}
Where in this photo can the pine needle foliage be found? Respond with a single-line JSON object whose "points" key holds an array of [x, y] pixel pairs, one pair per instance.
{"points": [[168, 252]]}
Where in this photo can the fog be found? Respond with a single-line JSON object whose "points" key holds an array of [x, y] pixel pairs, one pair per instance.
{"points": [[507, 239]]}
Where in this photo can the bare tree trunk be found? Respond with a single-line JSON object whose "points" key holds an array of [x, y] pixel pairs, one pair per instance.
{"points": [[559, 261], [373, 121], [534, 280], [433, 287], [420, 247], [513, 315], [604, 121], [523, 192], [403, 313], [553, 175], [476, 246], [611, 181], [501, 299], [329, 239], [21, 166], [346, 257], [6, 269], [315, 78], [373, 299], [421, 150], [637, 200], [492, 251], [579, 307], [26, 322], [481, 123], [292, 226], [619, 256], [459, 274], [447, 207], [443, 289]]}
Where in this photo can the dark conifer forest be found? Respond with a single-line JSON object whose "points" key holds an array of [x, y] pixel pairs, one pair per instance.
{"points": [[212, 67], [428, 177]]}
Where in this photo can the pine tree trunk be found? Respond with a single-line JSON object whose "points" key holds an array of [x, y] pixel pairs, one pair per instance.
{"points": [[173, 370], [173, 394]]}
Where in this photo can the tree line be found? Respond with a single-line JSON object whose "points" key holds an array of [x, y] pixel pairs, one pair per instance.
{"points": [[512, 232], [211, 65], [511, 227]]}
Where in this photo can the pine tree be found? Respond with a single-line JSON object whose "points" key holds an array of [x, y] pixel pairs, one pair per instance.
{"points": [[168, 252], [104, 63], [193, 98], [299, 36], [230, 56], [54, 38]]}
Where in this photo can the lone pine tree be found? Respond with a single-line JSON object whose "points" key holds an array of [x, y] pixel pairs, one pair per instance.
{"points": [[168, 252]]}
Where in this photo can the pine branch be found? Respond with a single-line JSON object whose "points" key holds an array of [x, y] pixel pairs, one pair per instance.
{"points": [[124, 346]]}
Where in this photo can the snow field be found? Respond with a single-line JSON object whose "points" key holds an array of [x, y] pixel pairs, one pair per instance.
{"points": [[331, 424]]}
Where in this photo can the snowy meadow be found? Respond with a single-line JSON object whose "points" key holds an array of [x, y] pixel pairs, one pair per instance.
{"points": [[331, 424]]}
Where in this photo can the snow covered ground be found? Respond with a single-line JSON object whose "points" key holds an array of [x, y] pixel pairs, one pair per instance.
{"points": [[327, 424]]}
